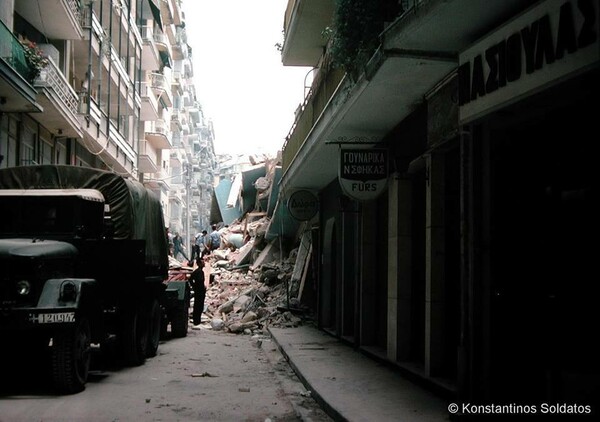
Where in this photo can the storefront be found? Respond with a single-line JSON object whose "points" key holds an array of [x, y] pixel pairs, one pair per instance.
{"points": [[528, 97]]}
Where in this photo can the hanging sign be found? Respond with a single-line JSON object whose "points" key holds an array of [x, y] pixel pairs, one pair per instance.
{"points": [[303, 205], [363, 172]]}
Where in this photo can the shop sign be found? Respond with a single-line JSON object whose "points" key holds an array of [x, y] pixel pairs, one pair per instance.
{"points": [[363, 172], [546, 44], [303, 205]]}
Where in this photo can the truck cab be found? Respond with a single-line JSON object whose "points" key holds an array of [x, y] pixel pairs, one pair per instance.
{"points": [[83, 259]]}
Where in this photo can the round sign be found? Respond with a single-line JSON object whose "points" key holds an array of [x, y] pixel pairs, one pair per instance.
{"points": [[303, 205]]}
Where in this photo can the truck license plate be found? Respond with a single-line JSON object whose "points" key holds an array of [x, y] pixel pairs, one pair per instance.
{"points": [[53, 318]]}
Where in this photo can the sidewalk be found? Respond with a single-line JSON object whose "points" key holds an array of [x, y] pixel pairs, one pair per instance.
{"points": [[350, 386]]}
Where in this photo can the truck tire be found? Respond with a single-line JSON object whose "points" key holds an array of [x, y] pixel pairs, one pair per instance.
{"points": [[154, 330], [133, 338], [71, 357], [179, 320]]}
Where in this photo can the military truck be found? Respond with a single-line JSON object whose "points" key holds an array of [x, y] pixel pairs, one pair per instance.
{"points": [[83, 261]]}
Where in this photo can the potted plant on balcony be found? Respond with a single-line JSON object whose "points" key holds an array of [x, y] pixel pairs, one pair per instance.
{"points": [[35, 58], [355, 33]]}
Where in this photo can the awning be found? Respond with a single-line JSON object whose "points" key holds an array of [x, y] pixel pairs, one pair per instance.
{"points": [[166, 59], [156, 13]]}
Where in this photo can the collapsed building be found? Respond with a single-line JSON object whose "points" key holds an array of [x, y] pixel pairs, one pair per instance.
{"points": [[261, 273]]}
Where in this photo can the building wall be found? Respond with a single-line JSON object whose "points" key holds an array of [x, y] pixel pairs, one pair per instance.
{"points": [[533, 215], [472, 271]]}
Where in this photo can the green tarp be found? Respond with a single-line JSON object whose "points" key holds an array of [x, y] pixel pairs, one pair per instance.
{"points": [[136, 212]]}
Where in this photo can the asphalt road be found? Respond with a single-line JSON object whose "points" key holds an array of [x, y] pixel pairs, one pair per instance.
{"points": [[206, 376]]}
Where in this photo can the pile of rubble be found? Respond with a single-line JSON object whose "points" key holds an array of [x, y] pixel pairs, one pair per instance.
{"points": [[251, 285]]}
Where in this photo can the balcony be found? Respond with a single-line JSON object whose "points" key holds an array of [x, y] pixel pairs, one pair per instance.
{"points": [[176, 124], [163, 45], [158, 180], [195, 115], [171, 32], [162, 87], [17, 94], [149, 110], [176, 200], [188, 69], [413, 57], [323, 87], [180, 51], [62, 23], [166, 11], [188, 101], [185, 127], [175, 159], [147, 157], [158, 134], [304, 23], [150, 55], [177, 12], [60, 102], [176, 140], [176, 84]]}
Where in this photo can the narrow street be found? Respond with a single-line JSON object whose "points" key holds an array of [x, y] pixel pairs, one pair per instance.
{"points": [[206, 376]]}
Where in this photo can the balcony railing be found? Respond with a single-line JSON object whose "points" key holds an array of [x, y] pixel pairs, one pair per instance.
{"points": [[13, 52], [75, 7], [181, 36], [160, 38], [52, 78], [322, 90], [158, 81], [160, 126], [176, 121]]}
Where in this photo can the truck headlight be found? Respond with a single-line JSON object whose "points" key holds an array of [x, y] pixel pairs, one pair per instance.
{"points": [[23, 287]]}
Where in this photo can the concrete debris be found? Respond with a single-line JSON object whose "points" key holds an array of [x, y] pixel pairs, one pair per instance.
{"points": [[252, 287], [217, 324], [256, 282], [262, 183]]}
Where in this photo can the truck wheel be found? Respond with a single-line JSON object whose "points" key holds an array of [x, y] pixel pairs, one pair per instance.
{"points": [[71, 357], [179, 320], [133, 338], [154, 329]]}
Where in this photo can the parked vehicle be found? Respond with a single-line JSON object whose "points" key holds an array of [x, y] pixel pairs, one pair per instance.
{"points": [[177, 301], [83, 260]]}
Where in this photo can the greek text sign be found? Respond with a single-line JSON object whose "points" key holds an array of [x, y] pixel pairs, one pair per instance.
{"points": [[363, 172], [546, 44]]}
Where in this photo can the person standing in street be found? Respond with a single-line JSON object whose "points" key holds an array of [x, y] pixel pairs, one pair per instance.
{"points": [[199, 286], [214, 239], [199, 247], [178, 247]]}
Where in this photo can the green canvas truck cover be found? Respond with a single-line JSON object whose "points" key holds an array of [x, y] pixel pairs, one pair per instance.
{"points": [[136, 211]]}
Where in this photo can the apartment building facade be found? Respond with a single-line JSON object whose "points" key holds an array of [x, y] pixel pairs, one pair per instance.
{"points": [[98, 83], [467, 266]]}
